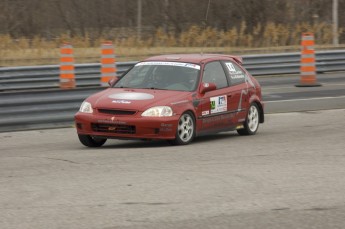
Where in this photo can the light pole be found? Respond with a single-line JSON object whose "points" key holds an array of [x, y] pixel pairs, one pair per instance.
{"points": [[335, 23], [166, 17], [139, 20], [316, 25]]}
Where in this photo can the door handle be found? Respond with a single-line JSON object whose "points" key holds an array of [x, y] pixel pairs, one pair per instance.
{"points": [[229, 96]]}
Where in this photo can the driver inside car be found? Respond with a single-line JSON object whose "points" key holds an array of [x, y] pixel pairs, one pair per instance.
{"points": [[160, 77]]}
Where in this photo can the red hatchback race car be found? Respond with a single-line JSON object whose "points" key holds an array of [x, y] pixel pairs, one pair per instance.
{"points": [[176, 98]]}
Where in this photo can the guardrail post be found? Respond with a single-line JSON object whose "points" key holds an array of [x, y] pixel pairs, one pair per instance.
{"points": [[67, 77], [108, 63], [308, 67]]}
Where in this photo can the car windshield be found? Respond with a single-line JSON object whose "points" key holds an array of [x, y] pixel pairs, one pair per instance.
{"points": [[161, 75]]}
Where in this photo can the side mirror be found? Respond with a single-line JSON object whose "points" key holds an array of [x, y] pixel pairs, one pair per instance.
{"points": [[206, 87], [113, 81]]}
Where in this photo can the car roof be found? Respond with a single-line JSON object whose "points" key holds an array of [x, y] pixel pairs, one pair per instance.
{"points": [[195, 58]]}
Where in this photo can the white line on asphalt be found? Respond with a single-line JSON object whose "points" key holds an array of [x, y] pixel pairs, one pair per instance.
{"points": [[277, 88], [334, 84], [293, 100]]}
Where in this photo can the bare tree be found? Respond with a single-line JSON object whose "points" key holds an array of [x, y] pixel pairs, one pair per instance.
{"points": [[97, 18]]}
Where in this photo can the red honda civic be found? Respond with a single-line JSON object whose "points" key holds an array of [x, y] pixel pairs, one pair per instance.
{"points": [[176, 98]]}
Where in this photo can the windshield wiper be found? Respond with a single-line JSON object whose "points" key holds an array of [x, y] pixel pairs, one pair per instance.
{"points": [[155, 88]]}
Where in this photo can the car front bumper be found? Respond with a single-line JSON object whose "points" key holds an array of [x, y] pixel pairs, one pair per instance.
{"points": [[125, 127]]}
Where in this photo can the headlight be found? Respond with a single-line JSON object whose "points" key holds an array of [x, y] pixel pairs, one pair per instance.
{"points": [[160, 111], [86, 107]]}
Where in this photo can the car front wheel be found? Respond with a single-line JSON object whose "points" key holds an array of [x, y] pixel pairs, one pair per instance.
{"points": [[89, 141], [251, 124], [185, 132]]}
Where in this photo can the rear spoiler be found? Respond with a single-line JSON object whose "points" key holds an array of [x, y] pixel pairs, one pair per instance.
{"points": [[238, 59]]}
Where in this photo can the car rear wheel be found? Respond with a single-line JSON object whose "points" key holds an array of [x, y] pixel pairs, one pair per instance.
{"points": [[89, 141], [251, 124], [185, 132]]}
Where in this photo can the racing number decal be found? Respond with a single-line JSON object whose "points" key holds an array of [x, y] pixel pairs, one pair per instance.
{"points": [[230, 67], [219, 104]]}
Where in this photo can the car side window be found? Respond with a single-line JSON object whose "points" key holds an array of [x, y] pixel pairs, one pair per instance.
{"points": [[237, 75], [214, 73]]}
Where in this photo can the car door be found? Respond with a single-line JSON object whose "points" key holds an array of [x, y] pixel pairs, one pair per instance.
{"points": [[215, 113], [240, 90]]}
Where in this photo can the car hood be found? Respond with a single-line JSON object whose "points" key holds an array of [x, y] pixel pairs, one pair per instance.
{"points": [[136, 99]]}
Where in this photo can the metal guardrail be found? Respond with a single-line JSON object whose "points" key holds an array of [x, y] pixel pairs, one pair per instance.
{"points": [[36, 77], [289, 63], [41, 108], [30, 97]]}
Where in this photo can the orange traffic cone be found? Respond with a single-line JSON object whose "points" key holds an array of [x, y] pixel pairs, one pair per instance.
{"points": [[308, 67], [67, 78], [108, 63]]}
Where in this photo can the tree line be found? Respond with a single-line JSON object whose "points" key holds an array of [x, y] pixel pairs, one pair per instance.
{"points": [[111, 19]]}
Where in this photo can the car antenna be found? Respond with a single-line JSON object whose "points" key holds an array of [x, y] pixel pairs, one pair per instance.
{"points": [[204, 25]]}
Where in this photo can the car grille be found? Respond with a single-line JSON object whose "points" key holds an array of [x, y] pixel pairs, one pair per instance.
{"points": [[113, 128], [117, 112]]}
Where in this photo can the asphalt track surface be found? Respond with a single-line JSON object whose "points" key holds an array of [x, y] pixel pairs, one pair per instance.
{"points": [[290, 175]]}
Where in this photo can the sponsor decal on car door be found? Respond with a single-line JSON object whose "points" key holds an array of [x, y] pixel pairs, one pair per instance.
{"points": [[219, 104], [215, 104], [215, 111]]}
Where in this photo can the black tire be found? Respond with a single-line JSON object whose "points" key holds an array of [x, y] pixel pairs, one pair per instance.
{"points": [[185, 132], [89, 141], [251, 124]]}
